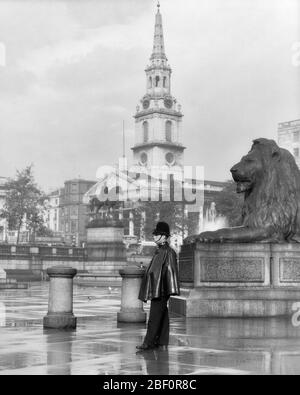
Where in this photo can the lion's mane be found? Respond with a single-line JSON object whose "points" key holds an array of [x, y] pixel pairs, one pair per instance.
{"points": [[274, 199]]}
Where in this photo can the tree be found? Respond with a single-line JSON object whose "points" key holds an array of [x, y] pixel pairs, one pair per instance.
{"points": [[229, 204], [44, 231], [170, 212], [154, 211], [24, 203]]}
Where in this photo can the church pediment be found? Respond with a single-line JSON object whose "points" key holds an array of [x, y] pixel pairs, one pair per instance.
{"points": [[115, 186]]}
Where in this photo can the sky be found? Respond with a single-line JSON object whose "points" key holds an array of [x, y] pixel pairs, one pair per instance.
{"points": [[74, 70]]}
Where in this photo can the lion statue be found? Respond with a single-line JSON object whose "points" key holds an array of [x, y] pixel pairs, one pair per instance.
{"points": [[270, 180]]}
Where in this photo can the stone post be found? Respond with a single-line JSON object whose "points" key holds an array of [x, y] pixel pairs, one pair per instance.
{"points": [[131, 307], [60, 306]]}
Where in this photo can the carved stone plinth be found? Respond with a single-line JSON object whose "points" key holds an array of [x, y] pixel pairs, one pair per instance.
{"points": [[106, 253], [238, 280]]}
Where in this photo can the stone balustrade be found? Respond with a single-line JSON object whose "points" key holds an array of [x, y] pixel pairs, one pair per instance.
{"points": [[43, 251]]}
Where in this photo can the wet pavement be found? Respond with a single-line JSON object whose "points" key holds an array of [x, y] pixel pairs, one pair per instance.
{"points": [[102, 346]]}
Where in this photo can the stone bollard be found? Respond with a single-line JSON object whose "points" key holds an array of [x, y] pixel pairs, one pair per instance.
{"points": [[60, 306], [131, 307]]}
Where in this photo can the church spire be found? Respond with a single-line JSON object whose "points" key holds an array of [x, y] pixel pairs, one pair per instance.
{"points": [[158, 43], [158, 120]]}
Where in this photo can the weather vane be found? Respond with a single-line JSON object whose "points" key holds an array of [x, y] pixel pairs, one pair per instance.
{"points": [[158, 4]]}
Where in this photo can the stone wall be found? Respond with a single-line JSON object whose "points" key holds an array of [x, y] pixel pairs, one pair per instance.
{"points": [[243, 264], [29, 263], [36, 259]]}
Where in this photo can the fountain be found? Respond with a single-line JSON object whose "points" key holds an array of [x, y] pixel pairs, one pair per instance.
{"points": [[212, 221]]}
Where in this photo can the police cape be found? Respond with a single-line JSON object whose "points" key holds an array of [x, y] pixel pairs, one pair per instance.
{"points": [[161, 277]]}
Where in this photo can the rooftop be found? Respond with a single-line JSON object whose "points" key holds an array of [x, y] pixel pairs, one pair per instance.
{"points": [[289, 124], [3, 180], [82, 180]]}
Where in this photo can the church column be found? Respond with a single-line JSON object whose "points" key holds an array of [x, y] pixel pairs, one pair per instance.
{"points": [[131, 224]]}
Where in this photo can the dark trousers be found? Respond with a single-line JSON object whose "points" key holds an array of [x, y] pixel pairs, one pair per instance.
{"points": [[158, 323]]}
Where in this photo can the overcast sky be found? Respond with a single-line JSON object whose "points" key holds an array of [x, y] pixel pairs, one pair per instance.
{"points": [[75, 70]]}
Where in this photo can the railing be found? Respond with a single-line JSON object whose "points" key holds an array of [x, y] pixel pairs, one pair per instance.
{"points": [[43, 251], [22, 250], [79, 252], [63, 251], [5, 249]]}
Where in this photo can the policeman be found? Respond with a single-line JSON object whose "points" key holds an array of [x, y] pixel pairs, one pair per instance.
{"points": [[160, 281]]}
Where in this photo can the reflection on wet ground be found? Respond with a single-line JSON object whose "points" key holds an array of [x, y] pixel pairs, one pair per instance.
{"points": [[102, 346]]}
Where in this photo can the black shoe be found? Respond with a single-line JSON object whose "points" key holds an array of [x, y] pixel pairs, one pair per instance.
{"points": [[145, 347]]}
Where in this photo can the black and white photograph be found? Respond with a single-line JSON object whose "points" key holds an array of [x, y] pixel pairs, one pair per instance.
{"points": [[149, 190]]}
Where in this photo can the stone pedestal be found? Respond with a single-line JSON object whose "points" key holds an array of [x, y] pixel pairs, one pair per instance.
{"points": [[238, 280], [106, 253], [131, 307], [60, 307]]}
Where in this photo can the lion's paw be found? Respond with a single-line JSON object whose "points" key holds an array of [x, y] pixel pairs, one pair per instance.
{"points": [[210, 237], [190, 239]]}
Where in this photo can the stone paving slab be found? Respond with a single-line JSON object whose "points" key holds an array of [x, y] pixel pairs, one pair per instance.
{"points": [[100, 345]]}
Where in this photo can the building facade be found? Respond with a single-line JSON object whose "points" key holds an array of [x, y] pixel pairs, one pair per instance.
{"points": [[289, 138], [3, 222], [54, 210], [73, 211]]}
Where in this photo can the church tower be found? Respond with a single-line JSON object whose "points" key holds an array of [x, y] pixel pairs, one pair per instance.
{"points": [[158, 119]]}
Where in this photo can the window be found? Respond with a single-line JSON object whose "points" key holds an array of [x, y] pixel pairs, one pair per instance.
{"points": [[145, 132], [170, 158], [143, 158], [169, 131], [74, 197], [157, 81], [165, 82], [73, 226], [73, 210], [296, 152], [150, 82]]}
